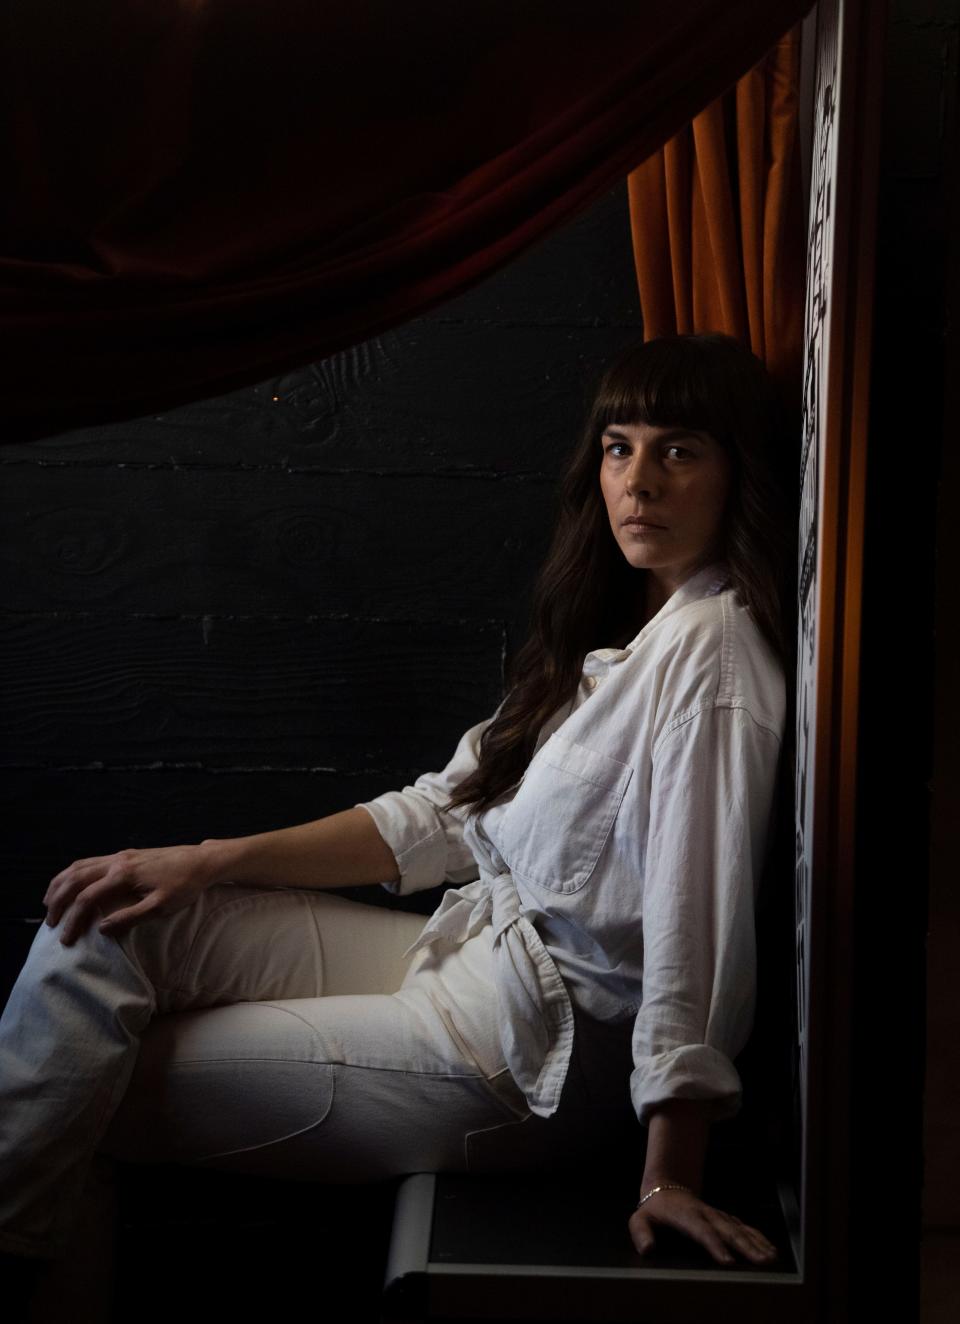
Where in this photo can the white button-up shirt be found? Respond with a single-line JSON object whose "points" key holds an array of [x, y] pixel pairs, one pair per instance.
{"points": [[622, 872]]}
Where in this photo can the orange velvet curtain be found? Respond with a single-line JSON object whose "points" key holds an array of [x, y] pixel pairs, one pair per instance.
{"points": [[718, 223]]}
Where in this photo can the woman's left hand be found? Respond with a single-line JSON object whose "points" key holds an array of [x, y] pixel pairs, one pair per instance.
{"points": [[720, 1233]]}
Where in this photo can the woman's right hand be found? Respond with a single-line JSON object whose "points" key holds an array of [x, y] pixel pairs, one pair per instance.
{"points": [[721, 1233], [126, 887]]}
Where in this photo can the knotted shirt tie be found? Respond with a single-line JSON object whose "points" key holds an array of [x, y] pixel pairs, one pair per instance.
{"points": [[535, 1016]]}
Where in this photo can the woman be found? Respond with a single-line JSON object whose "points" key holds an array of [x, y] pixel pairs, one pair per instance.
{"points": [[210, 1004]]}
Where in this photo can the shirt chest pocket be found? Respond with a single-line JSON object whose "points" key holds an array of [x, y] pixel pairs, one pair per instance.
{"points": [[560, 818]]}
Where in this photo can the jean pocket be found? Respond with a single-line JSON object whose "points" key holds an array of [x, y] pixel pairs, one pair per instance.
{"points": [[207, 1085], [274, 1103]]}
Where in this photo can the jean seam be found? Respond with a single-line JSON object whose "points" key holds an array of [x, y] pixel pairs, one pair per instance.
{"points": [[323, 956], [291, 1135], [326, 1062]]}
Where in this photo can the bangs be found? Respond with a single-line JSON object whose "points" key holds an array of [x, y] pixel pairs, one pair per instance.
{"points": [[671, 382]]}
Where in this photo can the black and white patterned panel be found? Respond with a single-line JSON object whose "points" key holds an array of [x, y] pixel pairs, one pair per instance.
{"points": [[815, 352]]}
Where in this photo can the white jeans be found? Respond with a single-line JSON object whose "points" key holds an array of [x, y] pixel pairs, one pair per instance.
{"points": [[275, 1031]]}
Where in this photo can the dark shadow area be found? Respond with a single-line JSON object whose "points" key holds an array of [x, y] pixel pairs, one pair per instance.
{"points": [[196, 1245]]}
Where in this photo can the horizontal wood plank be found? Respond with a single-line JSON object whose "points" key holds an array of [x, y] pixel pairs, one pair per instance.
{"points": [[182, 542], [243, 693]]}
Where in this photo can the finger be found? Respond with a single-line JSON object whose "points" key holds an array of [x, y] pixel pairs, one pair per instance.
{"points": [[89, 903], [756, 1245], [742, 1234], [57, 877], [89, 861], [61, 889], [747, 1240], [121, 921], [717, 1247], [710, 1228]]}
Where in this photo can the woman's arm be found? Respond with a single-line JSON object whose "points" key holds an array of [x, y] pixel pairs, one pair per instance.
{"points": [[340, 850], [712, 785]]}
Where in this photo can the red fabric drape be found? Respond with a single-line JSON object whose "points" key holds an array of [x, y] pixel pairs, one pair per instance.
{"points": [[199, 193]]}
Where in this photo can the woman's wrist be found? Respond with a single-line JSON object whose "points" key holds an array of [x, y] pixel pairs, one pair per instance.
{"points": [[647, 1189], [255, 860], [677, 1137], [220, 858]]}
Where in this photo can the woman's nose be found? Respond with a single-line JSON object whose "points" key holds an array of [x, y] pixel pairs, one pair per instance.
{"points": [[641, 478]]}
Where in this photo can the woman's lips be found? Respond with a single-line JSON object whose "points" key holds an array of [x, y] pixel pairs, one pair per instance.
{"points": [[642, 526]]}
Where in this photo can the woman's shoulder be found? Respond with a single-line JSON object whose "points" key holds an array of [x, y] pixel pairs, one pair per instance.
{"points": [[754, 677], [692, 631], [711, 652]]}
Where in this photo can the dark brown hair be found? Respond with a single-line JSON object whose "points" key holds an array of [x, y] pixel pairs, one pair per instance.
{"points": [[586, 595]]}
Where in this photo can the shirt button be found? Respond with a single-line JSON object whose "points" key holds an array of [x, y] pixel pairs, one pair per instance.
{"points": [[591, 682]]}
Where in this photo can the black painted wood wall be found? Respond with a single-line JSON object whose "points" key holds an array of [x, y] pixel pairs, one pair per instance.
{"points": [[258, 609]]}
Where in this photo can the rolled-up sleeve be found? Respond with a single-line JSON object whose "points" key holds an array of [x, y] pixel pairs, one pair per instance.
{"points": [[427, 840], [712, 789]]}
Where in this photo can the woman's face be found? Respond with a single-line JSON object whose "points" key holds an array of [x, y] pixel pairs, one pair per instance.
{"points": [[677, 480]]}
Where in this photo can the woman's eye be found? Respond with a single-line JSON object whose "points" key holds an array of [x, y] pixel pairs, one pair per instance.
{"points": [[615, 448], [684, 453]]}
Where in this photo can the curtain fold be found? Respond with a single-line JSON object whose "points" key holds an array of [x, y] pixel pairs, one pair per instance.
{"points": [[200, 193], [718, 219]]}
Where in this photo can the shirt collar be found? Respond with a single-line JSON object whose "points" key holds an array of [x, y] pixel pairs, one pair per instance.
{"points": [[707, 581], [703, 583]]}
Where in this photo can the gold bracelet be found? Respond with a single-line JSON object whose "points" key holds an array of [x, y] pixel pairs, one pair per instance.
{"points": [[667, 1186]]}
